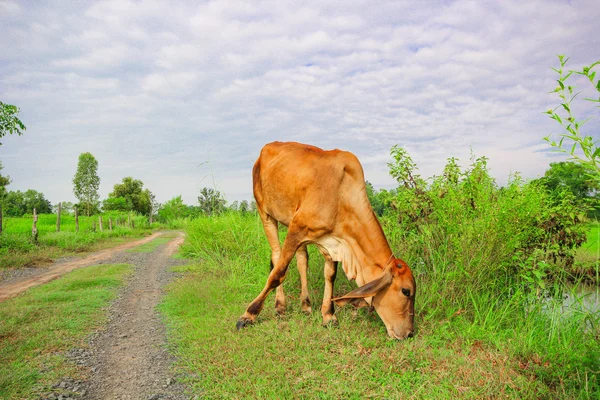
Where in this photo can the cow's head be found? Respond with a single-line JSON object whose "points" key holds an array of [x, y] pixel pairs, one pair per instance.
{"points": [[393, 298]]}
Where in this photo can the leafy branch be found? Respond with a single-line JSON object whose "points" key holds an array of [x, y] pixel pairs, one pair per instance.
{"points": [[567, 94], [9, 122]]}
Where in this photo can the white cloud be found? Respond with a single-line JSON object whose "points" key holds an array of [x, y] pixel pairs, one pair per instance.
{"points": [[9, 7], [151, 87]]}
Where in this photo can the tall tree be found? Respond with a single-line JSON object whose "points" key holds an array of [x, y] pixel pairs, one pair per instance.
{"points": [[34, 199], [173, 209], [116, 204], [19, 203], [86, 181], [66, 208], [4, 181], [9, 122], [211, 201], [574, 177], [154, 205], [136, 197]]}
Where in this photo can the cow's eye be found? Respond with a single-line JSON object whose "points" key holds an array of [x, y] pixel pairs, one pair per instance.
{"points": [[406, 292]]}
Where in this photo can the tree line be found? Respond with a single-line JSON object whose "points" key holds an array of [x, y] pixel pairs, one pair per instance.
{"points": [[129, 195]]}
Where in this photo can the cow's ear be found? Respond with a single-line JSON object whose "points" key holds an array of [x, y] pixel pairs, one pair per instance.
{"points": [[368, 290]]}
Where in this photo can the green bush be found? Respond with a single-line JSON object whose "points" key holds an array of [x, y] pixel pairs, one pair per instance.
{"points": [[462, 226]]}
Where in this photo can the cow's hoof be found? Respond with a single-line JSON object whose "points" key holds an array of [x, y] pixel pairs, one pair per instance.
{"points": [[280, 311], [331, 322], [242, 323], [306, 308]]}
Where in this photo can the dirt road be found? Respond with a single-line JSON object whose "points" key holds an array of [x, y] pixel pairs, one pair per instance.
{"points": [[128, 358], [37, 276]]}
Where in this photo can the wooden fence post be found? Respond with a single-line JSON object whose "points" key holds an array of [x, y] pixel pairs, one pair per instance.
{"points": [[100, 222], [94, 225], [0, 218], [34, 230], [76, 220], [58, 218], [129, 220], [110, 223]]}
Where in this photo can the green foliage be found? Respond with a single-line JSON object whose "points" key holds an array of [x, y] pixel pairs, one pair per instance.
{"points": [[566, 118], [66, 207], [116, 204], [4, 181], [211, 201], [136, 197], [484, 341], [173, 209], [376, 199], [464, 218], [242, 206], [151, 246], [86, 182], [17, 203], [575, 177], [41, 325], [17, 248], [9, 122]]}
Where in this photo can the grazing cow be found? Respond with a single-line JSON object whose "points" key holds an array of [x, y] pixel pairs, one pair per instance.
{"points": [[320, 196]]}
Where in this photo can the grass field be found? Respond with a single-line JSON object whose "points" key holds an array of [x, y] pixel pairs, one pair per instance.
{"points": [[593, 238], [17, 248], [150, 246], [38, 327], [587, 259], [47, 222], [509, 344]]}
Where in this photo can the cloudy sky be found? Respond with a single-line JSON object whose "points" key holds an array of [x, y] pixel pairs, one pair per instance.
{"points": [[183, 95]]}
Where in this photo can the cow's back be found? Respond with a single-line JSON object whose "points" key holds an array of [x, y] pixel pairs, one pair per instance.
{"points": [[290, 177]]}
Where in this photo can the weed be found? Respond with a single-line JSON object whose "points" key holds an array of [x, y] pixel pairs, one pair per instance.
{"points": [[38, 327], [475, 341]]}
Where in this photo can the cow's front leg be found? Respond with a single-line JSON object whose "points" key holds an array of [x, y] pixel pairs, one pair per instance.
{"points": [[328, 309], [276, 276], [279, 300]]}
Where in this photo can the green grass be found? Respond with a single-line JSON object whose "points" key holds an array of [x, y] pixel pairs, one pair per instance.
{"points": [[485, 344], [150, 246], [47, 222], [587, 259], [17, 248], [38, 327], [593, 238]]}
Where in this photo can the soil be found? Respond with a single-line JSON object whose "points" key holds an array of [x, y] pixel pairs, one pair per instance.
{"points": [[128, 358], [17, 281]]}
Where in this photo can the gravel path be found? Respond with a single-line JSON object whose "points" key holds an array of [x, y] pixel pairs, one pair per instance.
{"points": [[16, 281], [128, 359]]}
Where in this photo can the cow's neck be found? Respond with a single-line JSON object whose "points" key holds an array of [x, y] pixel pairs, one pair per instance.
{"points": [[368, 245]]}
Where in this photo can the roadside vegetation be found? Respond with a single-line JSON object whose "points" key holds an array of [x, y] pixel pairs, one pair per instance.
{"points": [[19, 249], [493, 267], [39, 326], [153, 245], [487, 335]]}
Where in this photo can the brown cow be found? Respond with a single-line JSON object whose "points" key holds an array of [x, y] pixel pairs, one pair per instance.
{"points": [[320, 196]]}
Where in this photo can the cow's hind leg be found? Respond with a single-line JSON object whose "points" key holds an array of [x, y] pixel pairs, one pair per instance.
{"points": [[276, 277], [328, 309], [302, 261]]}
